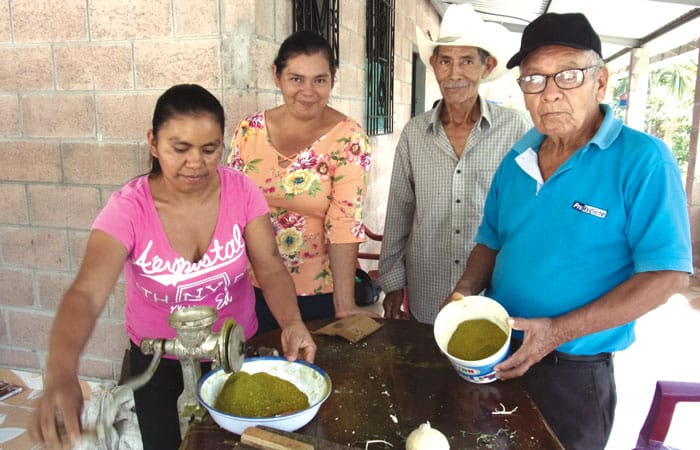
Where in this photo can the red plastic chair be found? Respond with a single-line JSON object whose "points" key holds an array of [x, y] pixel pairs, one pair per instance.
{"points": [[666, 396], [374, 274]]}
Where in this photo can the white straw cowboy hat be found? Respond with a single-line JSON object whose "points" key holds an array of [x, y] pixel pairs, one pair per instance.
{"points": [[462, 26]]}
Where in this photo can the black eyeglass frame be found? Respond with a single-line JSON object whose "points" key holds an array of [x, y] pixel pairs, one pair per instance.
{"points": [[582, 70]]}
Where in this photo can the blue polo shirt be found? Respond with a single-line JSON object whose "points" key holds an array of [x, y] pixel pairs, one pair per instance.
{"points": [[616, 207]]}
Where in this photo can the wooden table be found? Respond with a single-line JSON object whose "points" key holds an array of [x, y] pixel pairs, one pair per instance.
{"points": [[392, 381]]}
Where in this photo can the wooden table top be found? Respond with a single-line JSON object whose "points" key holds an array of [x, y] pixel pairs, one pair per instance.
{"points": [[387, 384]]}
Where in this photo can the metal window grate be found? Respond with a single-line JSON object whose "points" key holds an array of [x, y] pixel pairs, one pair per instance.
{"points": [[321, 16], [380, 67]]}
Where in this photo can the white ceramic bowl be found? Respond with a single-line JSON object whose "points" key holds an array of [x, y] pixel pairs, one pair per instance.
{"points": [[310, 379]]}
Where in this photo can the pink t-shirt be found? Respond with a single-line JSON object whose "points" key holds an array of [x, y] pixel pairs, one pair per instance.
{"points": [[159, 281]]}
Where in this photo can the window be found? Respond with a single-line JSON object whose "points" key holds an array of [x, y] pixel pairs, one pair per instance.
{"points": [[417, 86], [320, 16], [380, 66]]}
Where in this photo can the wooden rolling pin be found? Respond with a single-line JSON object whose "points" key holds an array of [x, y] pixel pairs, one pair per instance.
{"points": [[267, 440]]}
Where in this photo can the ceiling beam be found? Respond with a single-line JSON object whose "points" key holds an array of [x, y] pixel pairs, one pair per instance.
{"points": [[615, 40], [681, 49], [439, 6], [518, 28], [627, 42], [685, 48], [681, 2], [681, 20], [619, 40]]}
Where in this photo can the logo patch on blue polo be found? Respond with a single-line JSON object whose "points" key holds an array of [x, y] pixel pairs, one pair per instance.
{"points": [[592, 210]]}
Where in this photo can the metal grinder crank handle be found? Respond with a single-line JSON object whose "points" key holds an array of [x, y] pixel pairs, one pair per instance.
{"points": [[195, 340]]}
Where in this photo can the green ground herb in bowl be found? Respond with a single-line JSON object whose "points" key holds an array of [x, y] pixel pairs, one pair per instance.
{"points": [[476, 339], [259, 395]]}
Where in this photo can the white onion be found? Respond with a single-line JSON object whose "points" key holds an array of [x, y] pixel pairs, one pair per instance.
{"points": [[426, 438]]}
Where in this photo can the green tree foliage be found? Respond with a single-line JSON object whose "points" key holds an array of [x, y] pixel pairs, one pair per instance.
{"points": [[670, 97]]}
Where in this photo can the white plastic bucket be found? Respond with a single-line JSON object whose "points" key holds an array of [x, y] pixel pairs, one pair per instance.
{"points": [[472, 308]]}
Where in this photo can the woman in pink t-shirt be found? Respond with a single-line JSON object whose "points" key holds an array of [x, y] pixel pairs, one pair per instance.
{"points": [[182, 235]]}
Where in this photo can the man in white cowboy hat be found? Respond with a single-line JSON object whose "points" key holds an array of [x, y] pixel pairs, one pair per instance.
{"points": [[443, 165]]}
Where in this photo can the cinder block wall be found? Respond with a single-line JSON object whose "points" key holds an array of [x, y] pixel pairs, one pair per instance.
{"points": [[409, 14], [78, 82]]}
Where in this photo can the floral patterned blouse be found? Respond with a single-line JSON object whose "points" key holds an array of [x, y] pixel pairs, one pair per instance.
{"points": [[314, 201]]}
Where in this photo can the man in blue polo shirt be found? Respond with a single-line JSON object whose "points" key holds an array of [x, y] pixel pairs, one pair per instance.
{"points": [[585, 229]]}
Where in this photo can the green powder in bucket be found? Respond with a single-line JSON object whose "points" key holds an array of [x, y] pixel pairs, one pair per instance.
{"points": [[259, 395], [476, 339]]}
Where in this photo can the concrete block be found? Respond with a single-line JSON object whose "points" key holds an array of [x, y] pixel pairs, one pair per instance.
{"points": [[46, 21], [352, 16], [101, 163], [264, 53], [161, 64], [237, 14], [4, 332], [26, 68], [77, 243], [5, 28], [9, 116], [39, 248], [14, 204], [93, 67], [265, 19], [117, 301], [124, 19], [238, 104], [46, 115], [106, 193], [283, 20], [239, 67], [196, 17], [26, 359], [100, 368], [30, 161], [108, 340], [124, 116], [51, 288], [17, 287], [29, 329], [63, 206]]}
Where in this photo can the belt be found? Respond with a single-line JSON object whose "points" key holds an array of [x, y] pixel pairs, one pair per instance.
{"points": [[557, 356]]}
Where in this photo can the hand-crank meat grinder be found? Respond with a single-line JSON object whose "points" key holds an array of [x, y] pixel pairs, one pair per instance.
{"points": [[195, 340]]}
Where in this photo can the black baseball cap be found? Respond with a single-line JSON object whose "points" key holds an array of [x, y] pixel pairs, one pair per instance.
{"points": [[570, 30]]}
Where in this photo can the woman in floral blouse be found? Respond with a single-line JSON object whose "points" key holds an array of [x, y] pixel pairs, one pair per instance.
{"points": [[311, 163]]}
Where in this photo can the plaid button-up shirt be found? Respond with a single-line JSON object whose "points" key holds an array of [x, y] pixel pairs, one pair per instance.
{"points": [[436, 203]]}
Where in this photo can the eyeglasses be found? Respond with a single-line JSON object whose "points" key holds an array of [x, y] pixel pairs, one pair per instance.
{"points": [[566, 79]]}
